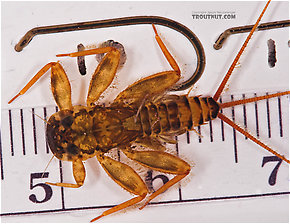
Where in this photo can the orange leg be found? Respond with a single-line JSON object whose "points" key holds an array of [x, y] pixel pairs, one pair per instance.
{"points": [[165, 51], [34, 79], [127, 178], [120, 207], [79, 173], [104, 73], [170, 183], [100, 50], [162, 162]]}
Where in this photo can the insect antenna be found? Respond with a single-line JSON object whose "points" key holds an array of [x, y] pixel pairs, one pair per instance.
{"points": [[40, 117], [47, 166], [227, 76]]}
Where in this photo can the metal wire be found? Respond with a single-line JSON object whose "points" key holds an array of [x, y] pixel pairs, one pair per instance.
{"points": [[125, 21]]}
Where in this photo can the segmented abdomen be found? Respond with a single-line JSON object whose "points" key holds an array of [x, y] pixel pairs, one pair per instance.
{"points": [[176, 114]]}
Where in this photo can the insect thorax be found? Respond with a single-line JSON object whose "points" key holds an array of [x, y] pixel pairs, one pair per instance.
{"points": [[81, 132]]}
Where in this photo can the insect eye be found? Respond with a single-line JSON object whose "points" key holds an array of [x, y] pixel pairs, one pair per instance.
{"points": [[67, 121], [72, 149]]}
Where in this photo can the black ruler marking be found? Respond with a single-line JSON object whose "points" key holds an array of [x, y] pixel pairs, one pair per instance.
{"points": [[245, 116], [280, 116], [199, 133], [34, 132], [176, 146], [210, 131], [119, 155], [268, 117], [257, 118], [1, 158], [234, 133], [11, 133], [61, 181], [177, 153], [22, 131], [45, 118], [222, 123], [61, 177], [187, 137]]}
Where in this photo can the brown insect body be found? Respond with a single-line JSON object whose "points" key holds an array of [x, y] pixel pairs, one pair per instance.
{"points": [[79, 133]]}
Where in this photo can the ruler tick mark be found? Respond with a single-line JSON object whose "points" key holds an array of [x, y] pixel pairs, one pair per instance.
{"points": [[257, 117], [280, 116], [1, 158], [245, 116], [61, 180], [268, 117], [222, 123], [177, 153], [11, 133], [22, 131], [210, 131], [34, 132], [234, 133], [176, 145], [199, 132], [45, 118]]}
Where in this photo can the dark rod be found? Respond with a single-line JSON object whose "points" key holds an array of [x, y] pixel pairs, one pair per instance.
{"points": [[243, 29], [125, 21]]}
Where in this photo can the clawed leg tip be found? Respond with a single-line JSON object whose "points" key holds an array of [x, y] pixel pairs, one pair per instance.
{"points": [[62, 55], [48, 183], [95, 219], [143, 206], [10, 101]]}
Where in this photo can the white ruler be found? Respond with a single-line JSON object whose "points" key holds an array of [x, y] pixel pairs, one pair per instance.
{"points": [[231, 173]]}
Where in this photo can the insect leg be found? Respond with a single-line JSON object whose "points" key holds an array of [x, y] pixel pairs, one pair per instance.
{"points": [[127, 178], [150, 142], [105, 72], [103, 76], [79, 173], [60, 87], [150, 86], [33, 80], [163, 162], [165, 51], [153, 85], [101, 50]]}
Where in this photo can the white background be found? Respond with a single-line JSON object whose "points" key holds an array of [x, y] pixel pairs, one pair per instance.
{"points": [[215, 173]]}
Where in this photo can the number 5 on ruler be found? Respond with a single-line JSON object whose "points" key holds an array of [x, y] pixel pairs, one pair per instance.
{"points": [[47, 189]]}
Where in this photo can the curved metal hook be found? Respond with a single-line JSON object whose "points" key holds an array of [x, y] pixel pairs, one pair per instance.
{"points": [[125, 21]]}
